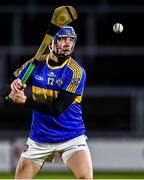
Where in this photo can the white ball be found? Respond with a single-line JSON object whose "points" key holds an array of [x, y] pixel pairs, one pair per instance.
{"points": [[118, 28]]}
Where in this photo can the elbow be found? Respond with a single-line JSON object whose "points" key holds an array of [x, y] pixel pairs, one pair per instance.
{"points": [[58, 111]]}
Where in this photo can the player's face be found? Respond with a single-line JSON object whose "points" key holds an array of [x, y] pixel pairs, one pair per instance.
{"points": [[64, 45]]}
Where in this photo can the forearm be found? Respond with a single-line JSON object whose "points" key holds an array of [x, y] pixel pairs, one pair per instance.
{"points": [[53, 109], [46, 108]]}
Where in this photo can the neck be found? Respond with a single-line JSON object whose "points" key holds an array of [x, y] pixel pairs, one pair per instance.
{"points": [[53, 57], [56, 61]]}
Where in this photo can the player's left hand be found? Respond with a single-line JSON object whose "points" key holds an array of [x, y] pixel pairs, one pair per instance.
{"points": [[19, 97]]}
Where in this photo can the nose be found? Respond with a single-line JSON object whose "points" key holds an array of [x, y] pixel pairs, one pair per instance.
{"points": [[67, 39]]}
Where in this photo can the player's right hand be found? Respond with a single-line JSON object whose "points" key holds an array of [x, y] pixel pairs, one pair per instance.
{"points": [[19, 98]]}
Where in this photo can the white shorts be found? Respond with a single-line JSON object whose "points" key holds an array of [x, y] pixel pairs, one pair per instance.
{"points": [[49, 152]]}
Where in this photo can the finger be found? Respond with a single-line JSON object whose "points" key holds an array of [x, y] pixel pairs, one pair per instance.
{"points": [[18, 81], [24, 86], [14, 88], [18, 84]]}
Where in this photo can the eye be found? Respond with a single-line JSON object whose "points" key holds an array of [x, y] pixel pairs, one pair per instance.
{"points": [[59, 38], [71, 38]]}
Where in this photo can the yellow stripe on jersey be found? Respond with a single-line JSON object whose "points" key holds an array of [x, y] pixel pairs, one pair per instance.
{"points": [[77, 75], [78, 99], [44, 94]]}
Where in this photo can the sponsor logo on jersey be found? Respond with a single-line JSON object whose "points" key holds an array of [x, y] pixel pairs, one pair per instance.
{"points": [[40, 78], [51, 74]]}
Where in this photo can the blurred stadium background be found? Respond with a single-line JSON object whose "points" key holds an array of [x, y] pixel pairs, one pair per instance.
{"points": [[113, 104]]}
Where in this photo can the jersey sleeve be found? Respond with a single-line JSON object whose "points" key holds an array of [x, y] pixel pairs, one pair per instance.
{"points": [[74, 80]]}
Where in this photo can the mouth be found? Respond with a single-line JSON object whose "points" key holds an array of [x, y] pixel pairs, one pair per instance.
{"points": [[65, 51]]}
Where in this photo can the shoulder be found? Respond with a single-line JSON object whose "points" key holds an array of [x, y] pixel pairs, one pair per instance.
{"points": [[75, 66]]}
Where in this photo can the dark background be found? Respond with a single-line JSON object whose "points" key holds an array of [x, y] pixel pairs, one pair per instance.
{"points": [[113, 61]]}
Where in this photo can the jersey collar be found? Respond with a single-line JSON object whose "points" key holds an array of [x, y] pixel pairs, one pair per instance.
{"points": [[56, 67]]}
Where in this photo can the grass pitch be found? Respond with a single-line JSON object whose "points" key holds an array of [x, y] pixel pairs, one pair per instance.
{"points": [[97, 175]]}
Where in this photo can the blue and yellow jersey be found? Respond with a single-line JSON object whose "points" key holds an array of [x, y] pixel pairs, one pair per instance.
{"points": [[47, 82]]}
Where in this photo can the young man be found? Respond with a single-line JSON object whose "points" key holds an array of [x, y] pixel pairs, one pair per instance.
{"points": [[57, 124]]}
